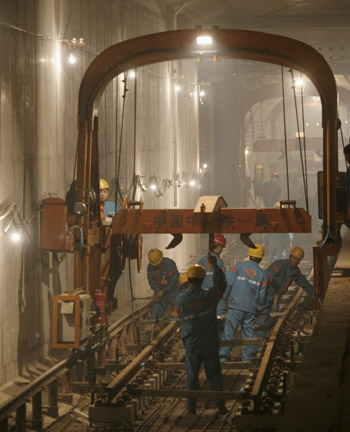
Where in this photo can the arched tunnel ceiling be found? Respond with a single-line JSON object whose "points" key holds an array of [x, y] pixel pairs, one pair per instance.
{"points": [[263, 13]]}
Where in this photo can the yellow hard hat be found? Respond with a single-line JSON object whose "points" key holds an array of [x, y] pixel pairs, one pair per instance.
{"points": [[196, 272], [103, 184], [297, 252], [183, 278], [259, 252], [155, 257]]}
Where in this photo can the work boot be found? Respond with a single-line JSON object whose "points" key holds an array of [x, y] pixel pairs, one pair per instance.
{"points": [[222, 410]]}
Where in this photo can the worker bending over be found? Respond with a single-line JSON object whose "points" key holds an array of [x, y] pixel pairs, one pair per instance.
{"points": [[197, 308], [163, 278], [284, 272], [245, 295]]}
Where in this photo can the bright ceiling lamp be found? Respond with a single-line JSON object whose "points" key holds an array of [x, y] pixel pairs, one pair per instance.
{"points": [[204, 40]]}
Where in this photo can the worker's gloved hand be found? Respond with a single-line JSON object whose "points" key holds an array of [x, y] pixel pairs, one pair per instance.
{"points": [[158, 296], [212, 259]]}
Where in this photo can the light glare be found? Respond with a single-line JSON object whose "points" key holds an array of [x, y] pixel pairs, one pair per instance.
{"points": [[204, 40], [153, 186], [299, 82], [132, 74], [72, 59], [15, 237]]}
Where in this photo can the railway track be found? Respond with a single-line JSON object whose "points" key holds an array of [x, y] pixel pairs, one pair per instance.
{"points": [[148, 393]]}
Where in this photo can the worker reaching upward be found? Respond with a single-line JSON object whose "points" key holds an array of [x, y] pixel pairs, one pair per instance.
{"points": [[163, 278], [197, 308], [245, 295], [107, 208], [215, 249]]}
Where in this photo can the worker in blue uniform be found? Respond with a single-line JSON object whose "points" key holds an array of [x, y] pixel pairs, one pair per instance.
{"points": [[197, 308], [163, 278], [284, 272], [219, 243], [245, 295], [107, 208]]}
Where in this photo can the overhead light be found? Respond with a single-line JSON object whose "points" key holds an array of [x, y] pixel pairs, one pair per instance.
{"points": [[246, 152], [299, 82], [192, 183], [15, 236], [72, 59], [132, 74], [177, 88], [153, 186], [204, 40], [202, 93], [205, 165]]}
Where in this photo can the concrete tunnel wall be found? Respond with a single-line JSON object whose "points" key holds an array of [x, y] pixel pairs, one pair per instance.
{"points": [[38, 133]]}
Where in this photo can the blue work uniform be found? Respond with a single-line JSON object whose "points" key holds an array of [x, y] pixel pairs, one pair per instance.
{"points": [[245, 295], [283, 274], [167, 273], [208, 280], [197, 308], [110, 208]]}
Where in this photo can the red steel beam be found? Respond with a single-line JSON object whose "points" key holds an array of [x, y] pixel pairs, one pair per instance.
{"points": [[185, 221]]}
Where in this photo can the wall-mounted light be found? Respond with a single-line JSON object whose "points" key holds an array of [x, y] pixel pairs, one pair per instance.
{"points": [[16, 236], [72, 59], [204, 40], [132, 74]]}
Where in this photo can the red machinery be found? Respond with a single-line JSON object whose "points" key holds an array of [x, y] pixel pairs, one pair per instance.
{"points": [[181, 44]]}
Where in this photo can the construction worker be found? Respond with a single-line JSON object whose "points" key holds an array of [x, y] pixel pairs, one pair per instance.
{"points": [[271, 190], [163, 279], [197, 308], [245, 295], [284, 272], [107, 208], [215, 249]]}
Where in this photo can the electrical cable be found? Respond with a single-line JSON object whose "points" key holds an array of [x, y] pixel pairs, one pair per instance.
{"points": [[299, 140], [304, 139], [285, 132]]}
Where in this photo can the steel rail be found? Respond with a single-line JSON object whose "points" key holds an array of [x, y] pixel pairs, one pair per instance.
{"points": [[257, 388], [124, 376], [11, 405]]}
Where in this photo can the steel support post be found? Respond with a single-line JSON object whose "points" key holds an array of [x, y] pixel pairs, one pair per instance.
{"points": [[37, 407], [52, 409], [21, 418]]}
